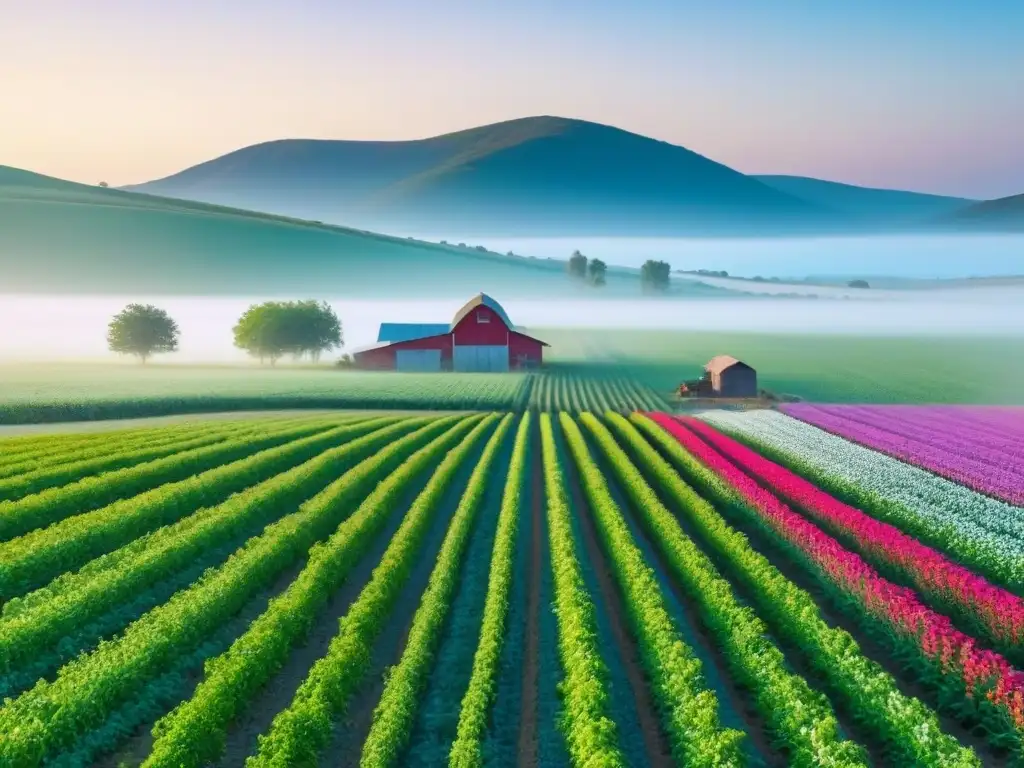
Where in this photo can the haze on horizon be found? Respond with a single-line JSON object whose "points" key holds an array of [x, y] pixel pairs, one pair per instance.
{"points": [[913, 96]]}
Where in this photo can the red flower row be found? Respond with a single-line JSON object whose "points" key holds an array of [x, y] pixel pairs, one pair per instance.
{"points": [[1000, 612], [932, 633]]}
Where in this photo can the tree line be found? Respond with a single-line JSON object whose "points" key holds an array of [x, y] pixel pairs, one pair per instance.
{"points": [[654, 275], [267, 331]]}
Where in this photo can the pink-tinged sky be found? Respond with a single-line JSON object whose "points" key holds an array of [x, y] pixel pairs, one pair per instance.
{"points": [[912, 94]]}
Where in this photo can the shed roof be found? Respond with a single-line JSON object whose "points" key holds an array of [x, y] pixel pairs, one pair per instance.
{"points": [[392, 332], [481, 299], [719, 363]]}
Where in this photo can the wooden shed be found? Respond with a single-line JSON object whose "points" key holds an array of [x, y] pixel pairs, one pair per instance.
{"points": [[730, 377]]}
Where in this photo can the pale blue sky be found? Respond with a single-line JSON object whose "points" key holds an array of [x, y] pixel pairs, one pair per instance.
{"points": [[906, 93]]}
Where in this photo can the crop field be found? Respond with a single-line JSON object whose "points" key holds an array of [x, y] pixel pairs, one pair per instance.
{"points": [[504, 588], [68, 392], [981, 447], [581, 388], [816, 366]]}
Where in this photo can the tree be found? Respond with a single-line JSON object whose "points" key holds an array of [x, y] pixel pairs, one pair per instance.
{"points": [[277, 328], [578, 266], [858, 284], [104, 184], [142, 330], [655, 275], [596, 272]]}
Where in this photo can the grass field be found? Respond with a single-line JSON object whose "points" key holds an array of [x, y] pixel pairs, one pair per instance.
{"points": [[817, 367], [60, 237], [488, 589], [622, 370]]}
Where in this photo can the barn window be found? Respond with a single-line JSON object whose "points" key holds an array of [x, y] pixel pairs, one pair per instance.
{"points": [[483, 317]]}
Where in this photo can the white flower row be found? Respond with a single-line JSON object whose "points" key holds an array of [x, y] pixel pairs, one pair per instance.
{"points": [[978, 530]]}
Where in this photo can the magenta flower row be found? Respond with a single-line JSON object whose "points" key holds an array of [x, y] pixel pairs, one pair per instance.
{"points": [[931, 633]]}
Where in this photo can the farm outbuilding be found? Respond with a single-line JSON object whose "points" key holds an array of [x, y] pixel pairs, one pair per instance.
{"points": [[480, 338], [730, 377]]}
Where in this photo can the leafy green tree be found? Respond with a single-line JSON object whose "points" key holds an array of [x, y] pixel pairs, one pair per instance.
{"points": [[596, 272], [142, 330], [578, 266], [655, 275], [277, 328]]}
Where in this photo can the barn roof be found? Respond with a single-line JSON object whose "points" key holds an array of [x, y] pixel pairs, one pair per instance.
{"points": [[719, 363], [482, 299], [392, 332]]}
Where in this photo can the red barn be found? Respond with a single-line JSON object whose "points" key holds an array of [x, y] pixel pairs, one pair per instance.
{"points": [[480, 338]]}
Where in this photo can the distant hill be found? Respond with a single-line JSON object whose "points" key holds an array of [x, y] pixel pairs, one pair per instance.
{"points": [[535, 176], [58, 236], [867, 205], [1005, 213]]}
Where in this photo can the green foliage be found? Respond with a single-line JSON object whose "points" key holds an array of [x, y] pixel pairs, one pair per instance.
{"points": [[689, 709], [277, 328], [193, 734], [655, 276], [590, 734], [596, 272], [39, 722], [61, 490], [577, 266], [36, 557], [395, 715], [467, 749], [909, 727], [299, 732], [142, 330], [42, 618], [77, 393], [576, 389], [800, 716]]}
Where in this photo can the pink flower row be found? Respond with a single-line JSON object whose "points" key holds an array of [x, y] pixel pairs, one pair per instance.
{"points": [[1000, 612], [962, 454], [932, 633]]}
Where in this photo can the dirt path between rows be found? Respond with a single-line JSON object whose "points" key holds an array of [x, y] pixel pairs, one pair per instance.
{"points": [[527, 751], [655, 743]]}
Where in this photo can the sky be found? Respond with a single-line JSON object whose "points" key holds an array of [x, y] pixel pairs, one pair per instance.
{"points": [[925, 95]]}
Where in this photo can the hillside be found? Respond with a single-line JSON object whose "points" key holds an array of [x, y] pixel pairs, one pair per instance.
{"points": [[58, 236], [534, 176], [1005, 213], [880, 207]]}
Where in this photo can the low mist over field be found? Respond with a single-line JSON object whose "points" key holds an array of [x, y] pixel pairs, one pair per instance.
{"points": [[74, 328], [907, 256]]}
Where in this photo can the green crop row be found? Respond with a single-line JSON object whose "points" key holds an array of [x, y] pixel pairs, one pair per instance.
{"points": [[908, 726], [590, 734], [51, 476], [193, 734], [800, 718], [30, 561], [299, 732], [689, 708], [467, 750], [395, 715], [49, 459], [556, 391], [53, 716], [80, 597], [53, 505]]}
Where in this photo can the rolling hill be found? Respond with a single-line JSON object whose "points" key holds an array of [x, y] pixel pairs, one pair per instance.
{"points": [[869, 206], [59, 236], [533, 176], [1002, 214]]}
